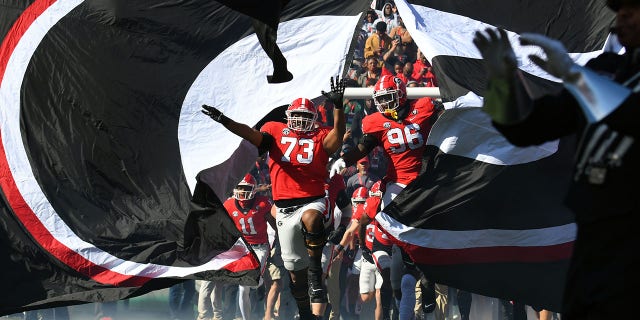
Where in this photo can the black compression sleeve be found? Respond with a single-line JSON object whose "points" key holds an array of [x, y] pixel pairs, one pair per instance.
{"points": [[368, 141], [265, 144]]}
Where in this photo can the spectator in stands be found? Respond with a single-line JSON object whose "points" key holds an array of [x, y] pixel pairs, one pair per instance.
{"points": [[378, 43], [389, 17], [396, 54], [369, 25], [401, 31], [407, 75], [423, 72], [372, 74]]}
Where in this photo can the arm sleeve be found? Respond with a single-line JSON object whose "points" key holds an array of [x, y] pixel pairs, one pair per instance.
{"points": [[265, 144], [368, 141]]}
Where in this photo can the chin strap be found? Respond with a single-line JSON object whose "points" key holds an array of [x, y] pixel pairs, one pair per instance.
{"points": [[391, 114]]}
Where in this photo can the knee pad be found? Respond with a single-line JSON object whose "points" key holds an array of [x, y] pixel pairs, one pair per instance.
{"points": [[314, 239]]}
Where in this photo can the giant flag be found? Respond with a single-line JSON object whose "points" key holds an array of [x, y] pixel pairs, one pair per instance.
{"points": [[102, 137], [486, 216]]}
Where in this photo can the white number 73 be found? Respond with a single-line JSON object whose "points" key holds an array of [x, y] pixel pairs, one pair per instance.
{"points": [[307, 150]]}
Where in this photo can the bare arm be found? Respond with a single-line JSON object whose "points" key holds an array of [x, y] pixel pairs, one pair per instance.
{"points": [[333, 141], [362, 232], [347, 239], [242, 130], [348, 235]]}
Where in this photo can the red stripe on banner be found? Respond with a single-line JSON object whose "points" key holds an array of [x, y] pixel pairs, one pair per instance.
{"points": [[496, 254], [247, 262], [20, 208], [45, 239], [18, 29], [431, 256]]}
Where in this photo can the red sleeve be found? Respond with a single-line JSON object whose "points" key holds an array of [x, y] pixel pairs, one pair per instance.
{"points": [[386, 72], [371, 207]]}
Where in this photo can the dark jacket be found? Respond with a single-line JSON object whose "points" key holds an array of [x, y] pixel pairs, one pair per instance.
{"points": [[603, 167]]}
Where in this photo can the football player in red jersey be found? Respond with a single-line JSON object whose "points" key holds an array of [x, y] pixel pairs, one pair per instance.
{"points": [[340, 205], [298, 155], [401, 128], [251, 214]]}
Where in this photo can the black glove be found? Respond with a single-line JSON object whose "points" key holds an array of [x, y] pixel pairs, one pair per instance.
{"points": [[367, 254], [215, 114], [336, 235], [337, 92]]}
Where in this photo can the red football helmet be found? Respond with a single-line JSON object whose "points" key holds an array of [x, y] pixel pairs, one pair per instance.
{"points": [[359, 196], [301, 115], [375, 189], [389, 95], [245, 189]]}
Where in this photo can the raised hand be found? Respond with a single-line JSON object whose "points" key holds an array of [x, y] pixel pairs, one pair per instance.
{"points": [[497, 52], [558, 62], [214, 113], [337, 92]]}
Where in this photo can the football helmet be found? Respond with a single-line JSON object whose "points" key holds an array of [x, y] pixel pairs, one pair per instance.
{"points": [[359, 196], [301, 115], [245, 189], [390, 96], [375, 189]]}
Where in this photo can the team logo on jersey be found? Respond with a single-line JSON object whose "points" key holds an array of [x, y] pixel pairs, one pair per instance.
{"points": [[387, 125], [414, 112], [235, 213], [286, 131]]}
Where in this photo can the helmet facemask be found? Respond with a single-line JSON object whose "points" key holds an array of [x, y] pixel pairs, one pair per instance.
{"points": [[355, 202], [301, 120], [387, 102], [244, 192], [359, 196]]}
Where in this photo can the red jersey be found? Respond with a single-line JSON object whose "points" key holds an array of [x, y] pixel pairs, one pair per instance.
{"points": [[332, 188], [297, 161], [371, 210], [358, 211], [252, 222], [404, 141]]}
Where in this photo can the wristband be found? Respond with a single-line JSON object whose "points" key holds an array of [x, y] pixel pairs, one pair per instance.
{"points": [[339, 248]]}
